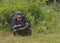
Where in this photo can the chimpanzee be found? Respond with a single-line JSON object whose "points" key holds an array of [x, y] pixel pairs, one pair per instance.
{"points": [[20, 24]]}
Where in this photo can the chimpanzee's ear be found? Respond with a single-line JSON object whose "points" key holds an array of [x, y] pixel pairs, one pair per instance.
{"points": [[14, 17]]}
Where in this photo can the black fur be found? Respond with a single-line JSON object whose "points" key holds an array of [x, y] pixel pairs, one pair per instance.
{"points": [[26, 31]]}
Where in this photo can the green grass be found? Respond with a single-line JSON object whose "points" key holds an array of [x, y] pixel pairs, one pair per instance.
{"points": [[49, 36], [7, 37], [46, 31]]}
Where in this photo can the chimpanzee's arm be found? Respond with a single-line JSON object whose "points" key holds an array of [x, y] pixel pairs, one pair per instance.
{"points": [[27, 22], [14, 24]]}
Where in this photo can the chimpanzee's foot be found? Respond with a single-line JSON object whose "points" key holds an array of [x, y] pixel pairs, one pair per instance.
{"points": [[14, 33]]}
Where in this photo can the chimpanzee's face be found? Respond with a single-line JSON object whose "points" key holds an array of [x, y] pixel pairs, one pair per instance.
{"points": [[19, 18]]}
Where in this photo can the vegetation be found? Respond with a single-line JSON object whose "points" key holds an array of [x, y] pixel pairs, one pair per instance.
{"points": [[44, 20]]}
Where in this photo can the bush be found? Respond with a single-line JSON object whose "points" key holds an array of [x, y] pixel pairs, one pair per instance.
{"points": [[39, 14]]}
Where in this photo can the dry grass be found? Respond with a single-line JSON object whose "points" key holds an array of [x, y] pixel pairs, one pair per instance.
{"points": [[38, 38]]}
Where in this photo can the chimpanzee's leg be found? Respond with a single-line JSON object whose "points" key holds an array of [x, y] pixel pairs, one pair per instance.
{"points": [[14, 32], [28, 31], [21, 32]]}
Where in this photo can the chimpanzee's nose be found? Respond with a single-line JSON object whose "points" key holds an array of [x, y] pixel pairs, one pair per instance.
{"points": [[19, 17]]}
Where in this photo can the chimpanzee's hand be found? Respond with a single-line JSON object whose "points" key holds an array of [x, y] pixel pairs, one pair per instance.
{"points": [[14, 26], [27, 24], [14, 30], [19, 25], [21, 28]]}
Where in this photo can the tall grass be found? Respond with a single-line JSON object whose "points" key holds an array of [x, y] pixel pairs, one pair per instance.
{"points": [[40, 15]]}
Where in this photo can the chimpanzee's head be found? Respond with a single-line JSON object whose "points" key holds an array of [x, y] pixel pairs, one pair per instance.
{"points": [[19, 15]]}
